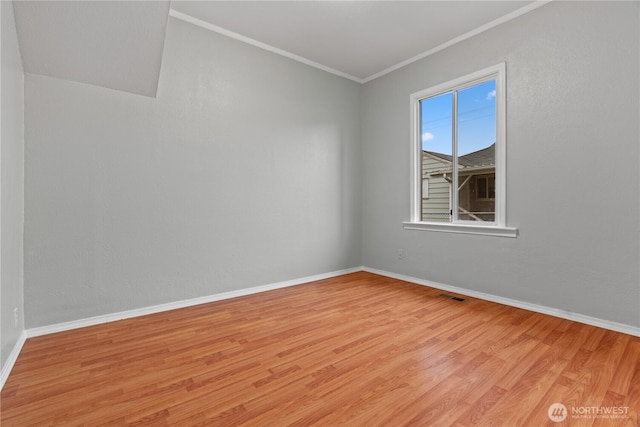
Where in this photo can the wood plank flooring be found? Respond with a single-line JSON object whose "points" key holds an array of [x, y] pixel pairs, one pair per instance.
{"points": [[356, 350]]}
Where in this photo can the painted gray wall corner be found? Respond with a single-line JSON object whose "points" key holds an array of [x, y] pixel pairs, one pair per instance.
{"points": [[244, 171], [12, 186]]}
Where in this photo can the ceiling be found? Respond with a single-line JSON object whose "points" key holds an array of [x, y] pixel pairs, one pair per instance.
{"points": [[118, 44], [358, 38]]}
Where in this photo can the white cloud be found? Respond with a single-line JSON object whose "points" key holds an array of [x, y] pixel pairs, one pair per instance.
{"points": [[427, 136], [491, 95]]}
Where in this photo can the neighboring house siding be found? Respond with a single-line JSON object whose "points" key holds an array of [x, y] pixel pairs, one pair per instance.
{"points": [[436, 206]]}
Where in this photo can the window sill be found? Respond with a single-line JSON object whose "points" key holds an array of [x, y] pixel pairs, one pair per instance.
{"points": [[484, 230]]}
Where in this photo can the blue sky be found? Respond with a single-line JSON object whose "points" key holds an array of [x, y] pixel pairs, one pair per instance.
{"points": [[476, 120]]}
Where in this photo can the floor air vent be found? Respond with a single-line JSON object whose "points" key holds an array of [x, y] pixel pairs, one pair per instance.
{"points": [[451, 297]]}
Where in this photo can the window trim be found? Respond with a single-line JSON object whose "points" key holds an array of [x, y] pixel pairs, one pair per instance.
{"points": [[497, 227]]}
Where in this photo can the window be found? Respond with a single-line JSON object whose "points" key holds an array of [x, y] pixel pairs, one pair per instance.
{"points": [[486, 187], [458, 150], [425, 188]]}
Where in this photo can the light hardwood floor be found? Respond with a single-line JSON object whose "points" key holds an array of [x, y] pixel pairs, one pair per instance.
{"points": [[356, 350]]}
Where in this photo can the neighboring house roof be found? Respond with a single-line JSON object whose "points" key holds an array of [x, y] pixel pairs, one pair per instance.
{"points": [[478, 159]]}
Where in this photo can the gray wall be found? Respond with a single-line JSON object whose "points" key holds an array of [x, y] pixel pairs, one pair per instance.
{"points": [[244, 171], [12, 187], [572, 153]]}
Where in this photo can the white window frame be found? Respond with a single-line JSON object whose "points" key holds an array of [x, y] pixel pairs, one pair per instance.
{"points": [[497, 227]]}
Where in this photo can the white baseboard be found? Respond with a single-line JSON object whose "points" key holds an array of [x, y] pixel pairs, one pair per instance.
{"points": [[81, 323], [13, 356], [581, 318], [112, 317]]}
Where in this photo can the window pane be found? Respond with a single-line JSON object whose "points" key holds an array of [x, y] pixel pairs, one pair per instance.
{"points": [[436, 124], [476, 152], [482, 188]]}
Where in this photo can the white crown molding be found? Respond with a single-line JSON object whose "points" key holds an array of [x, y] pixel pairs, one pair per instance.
{"points": [[563, 314], [211, 27], [508, 17], [11, 360], [112, 317], [216, 29]]}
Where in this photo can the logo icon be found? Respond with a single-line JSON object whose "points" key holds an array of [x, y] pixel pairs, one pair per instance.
{"points": [[557, 412]]}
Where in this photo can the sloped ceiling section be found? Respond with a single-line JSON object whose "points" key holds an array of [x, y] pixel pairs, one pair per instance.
{"points": [[112, 44]]}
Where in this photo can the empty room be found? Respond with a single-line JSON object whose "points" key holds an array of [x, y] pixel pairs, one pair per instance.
{"points": [[327, 213]]}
